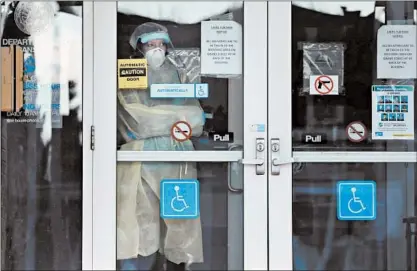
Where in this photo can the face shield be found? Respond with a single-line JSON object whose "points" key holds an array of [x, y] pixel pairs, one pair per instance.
{"points": [[153, 41]]}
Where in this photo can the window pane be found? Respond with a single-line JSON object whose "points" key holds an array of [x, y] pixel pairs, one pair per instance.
{"points": [[41, 188], [339, 40], [150, 103], [169, 52], [322, 241], [214, 241]]}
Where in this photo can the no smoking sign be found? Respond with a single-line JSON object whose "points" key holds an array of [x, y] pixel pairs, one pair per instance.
{"points": [[356, 131], [181, 131], [324, 85]]}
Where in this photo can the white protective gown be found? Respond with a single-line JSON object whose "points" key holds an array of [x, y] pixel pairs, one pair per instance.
{"points": [[145, 124]]}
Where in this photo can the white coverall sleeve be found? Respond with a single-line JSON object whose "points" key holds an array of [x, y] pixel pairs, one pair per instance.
{"points": [[157, 120]]}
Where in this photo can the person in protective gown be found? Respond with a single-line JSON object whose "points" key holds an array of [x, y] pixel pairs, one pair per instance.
{"points": [[145, 124]]}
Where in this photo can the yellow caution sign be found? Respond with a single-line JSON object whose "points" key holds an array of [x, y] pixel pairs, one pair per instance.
{"points": [[132, 73]]}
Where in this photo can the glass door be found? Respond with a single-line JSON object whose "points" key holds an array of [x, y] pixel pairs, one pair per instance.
{"points": [[180, 136], [46, 115], [342, 190]]}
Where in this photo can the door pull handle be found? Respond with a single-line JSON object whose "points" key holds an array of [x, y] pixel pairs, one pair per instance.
{"points": [[259, 160], [277, 162]]}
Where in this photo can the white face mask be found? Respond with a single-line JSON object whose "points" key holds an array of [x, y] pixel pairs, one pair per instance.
{"points": [[155, 57]]}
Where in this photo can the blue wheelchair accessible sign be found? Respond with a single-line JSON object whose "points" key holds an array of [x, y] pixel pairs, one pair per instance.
{"points": [[179, 199], [356, 200]]}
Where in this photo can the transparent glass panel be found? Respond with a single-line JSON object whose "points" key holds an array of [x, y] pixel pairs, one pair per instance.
{"points": [[174, 100], [339, 40], [41, 148], [321, 241], [214, 241], [170, 99]]}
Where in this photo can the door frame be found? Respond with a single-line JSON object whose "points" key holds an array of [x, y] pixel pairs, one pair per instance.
{"points": [[87, 123], [280, 104], [255, 228]]}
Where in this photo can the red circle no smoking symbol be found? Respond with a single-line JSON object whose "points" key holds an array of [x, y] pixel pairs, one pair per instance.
{"points": [[181, 131], [324, 84], [356, 131]]}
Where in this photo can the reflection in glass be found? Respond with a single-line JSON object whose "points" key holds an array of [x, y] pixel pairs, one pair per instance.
{"points": [[322, 242], [41, 188], [152, 118], [339, 39]]}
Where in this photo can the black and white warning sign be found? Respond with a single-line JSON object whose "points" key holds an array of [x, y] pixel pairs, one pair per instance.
{"points": [[356, 131]]}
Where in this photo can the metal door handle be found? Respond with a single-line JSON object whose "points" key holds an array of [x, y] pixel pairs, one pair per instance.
{"points": [[277, 162], [235, 172], [258, 162]]}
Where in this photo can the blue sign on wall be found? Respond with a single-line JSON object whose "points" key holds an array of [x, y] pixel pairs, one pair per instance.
{"points": [[356, 200], [179, 199]]}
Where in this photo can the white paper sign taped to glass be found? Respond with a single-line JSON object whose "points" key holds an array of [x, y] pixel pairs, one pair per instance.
{"points": [[396, 55], [221, 48], [132, 73], [322, 59], [324, 85], [393, 112], [198, 91]]}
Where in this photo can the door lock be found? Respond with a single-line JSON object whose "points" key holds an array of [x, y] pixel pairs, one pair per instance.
{"points": [[260, 146], [275, 147]]}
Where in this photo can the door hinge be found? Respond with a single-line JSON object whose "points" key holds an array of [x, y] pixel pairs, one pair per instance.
{"points": [[92, 138]]}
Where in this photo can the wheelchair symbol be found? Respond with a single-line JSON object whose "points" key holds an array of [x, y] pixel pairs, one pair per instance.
{"points": [[179, 199], [360, 207]]}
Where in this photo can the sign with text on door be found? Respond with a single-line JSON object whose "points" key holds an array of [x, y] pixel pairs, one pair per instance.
{"points": [[221, 49], [132, 73], [199, 91], [396, 57], [393, 112]]}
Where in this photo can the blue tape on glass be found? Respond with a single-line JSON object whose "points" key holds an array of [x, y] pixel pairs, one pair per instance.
{"points": [[198, 91]]}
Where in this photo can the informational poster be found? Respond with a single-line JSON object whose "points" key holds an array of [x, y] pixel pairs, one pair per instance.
{"points": [[221, 48], [393, 112], [132, 73], [396, 56]]}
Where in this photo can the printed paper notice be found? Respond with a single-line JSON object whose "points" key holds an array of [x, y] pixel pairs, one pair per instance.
{"points": [[393, 112], [221, 48], [132, 73], [396, 57]]}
